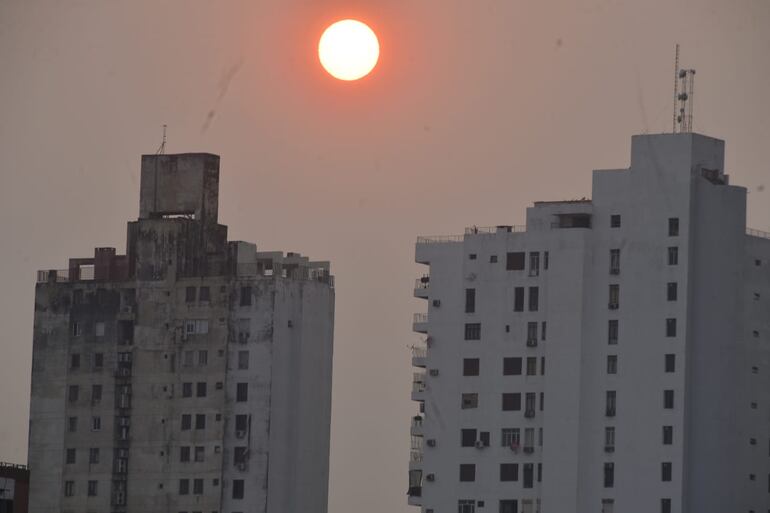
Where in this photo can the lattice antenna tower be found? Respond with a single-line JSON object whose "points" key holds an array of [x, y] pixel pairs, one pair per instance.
{"points": [[162, 148], [684, 90]]}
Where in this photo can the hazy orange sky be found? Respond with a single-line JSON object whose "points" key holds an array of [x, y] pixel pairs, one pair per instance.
{"points": [[476, 109]]}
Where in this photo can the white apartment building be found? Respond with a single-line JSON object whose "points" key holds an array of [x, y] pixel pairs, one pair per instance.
{"points": [[191, 375], [610, 356]]}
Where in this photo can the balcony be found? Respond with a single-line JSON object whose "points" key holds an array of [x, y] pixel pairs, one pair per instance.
{"points": [[415, 459], [419, 356], [419, 386], [422, 287], [416, 428], [420, 323]]}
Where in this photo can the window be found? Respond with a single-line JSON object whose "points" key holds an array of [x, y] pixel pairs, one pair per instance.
{"points": [[92, 488], [200, 453], [615, 221], [492, 259], [96, 423], [511, 401], [470, 367], [532, 332], [472, 256], [529, 475], [670, 327], [200, 421], [69, 488], [189, 356], [70, 457], [72, 393], [96, 393], [533, 299], [514, 261], [509, 472], [75, 361], [239, 454], [237, 488], [609, 475], [612, 364], [198, 486], [93, 455], [184, 454], [609, 437], [470, 400], [196, 327], [665, 505], [614, 296], [668, 399], [518, 299], [466, 506], [673, 255], [668, 435], [467, 472], [671, 291], [529, 438], [184, 486], [484, 438], [534, 263], [508, 506], [510, 437], [242, 423], [189, 295], [665, 471], [473, 331], [242, 392], [243, 360], [542, 330], [610, 403], [98, 360], [245, 296], [204, 294], [670, 364], [200, 389], [531, 366], [614, 261], [77, 329], [470, 300], [545, 261], [187, 389], [203, 357], [530, 399], [612, 332], [468, 437], [608, 505], [72, 424], [673, 226], [542, 365]]}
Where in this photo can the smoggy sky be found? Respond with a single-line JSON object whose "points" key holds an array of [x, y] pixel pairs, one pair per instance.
{"points": [[476, 109]]}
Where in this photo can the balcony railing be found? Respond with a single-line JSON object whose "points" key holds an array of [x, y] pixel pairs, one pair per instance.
{"points": [[757, 233], [415, 456], [471, 230], [422, 283], [419, 352], [420, 318]]}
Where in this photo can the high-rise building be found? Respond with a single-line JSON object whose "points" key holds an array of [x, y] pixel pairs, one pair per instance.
{"points": [[613, 355], [14, 488], [191, 375]]}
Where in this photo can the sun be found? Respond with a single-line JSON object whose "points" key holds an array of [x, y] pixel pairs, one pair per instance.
{"points": [[348, 50]]}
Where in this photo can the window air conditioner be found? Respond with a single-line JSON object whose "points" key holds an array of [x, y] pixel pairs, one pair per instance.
{"points": [[434, 372], [430, 477], [431, 442]]}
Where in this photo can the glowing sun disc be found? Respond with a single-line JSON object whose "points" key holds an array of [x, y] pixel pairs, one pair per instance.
{"points": [[348, 50]]}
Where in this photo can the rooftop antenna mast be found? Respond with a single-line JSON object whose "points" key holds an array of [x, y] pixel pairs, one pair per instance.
{"points": [[684, 87], [162, 148]]}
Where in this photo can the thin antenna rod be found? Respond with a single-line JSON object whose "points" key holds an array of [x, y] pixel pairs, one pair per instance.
{"points": [[162, 148], [676, 85]]}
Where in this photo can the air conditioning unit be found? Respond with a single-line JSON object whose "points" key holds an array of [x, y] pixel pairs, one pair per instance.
{"points": [[243, 337], [479, 444], [240, 434], [610, 412], [431, 442], [529, 449], [529, 413], [433, 372], [615, 270], [128, 309], [613, 306], [242, 466], [532, 342], [515, 447], [430, 477], [609, 448], [436, 303]]}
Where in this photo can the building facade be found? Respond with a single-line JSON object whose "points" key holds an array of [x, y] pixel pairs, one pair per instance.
{"points": [[190, 375], [14, 488], [610, 356]]}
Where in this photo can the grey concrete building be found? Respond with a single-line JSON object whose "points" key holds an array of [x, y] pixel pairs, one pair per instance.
{"points": [[192, 374], [612, 355]]}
